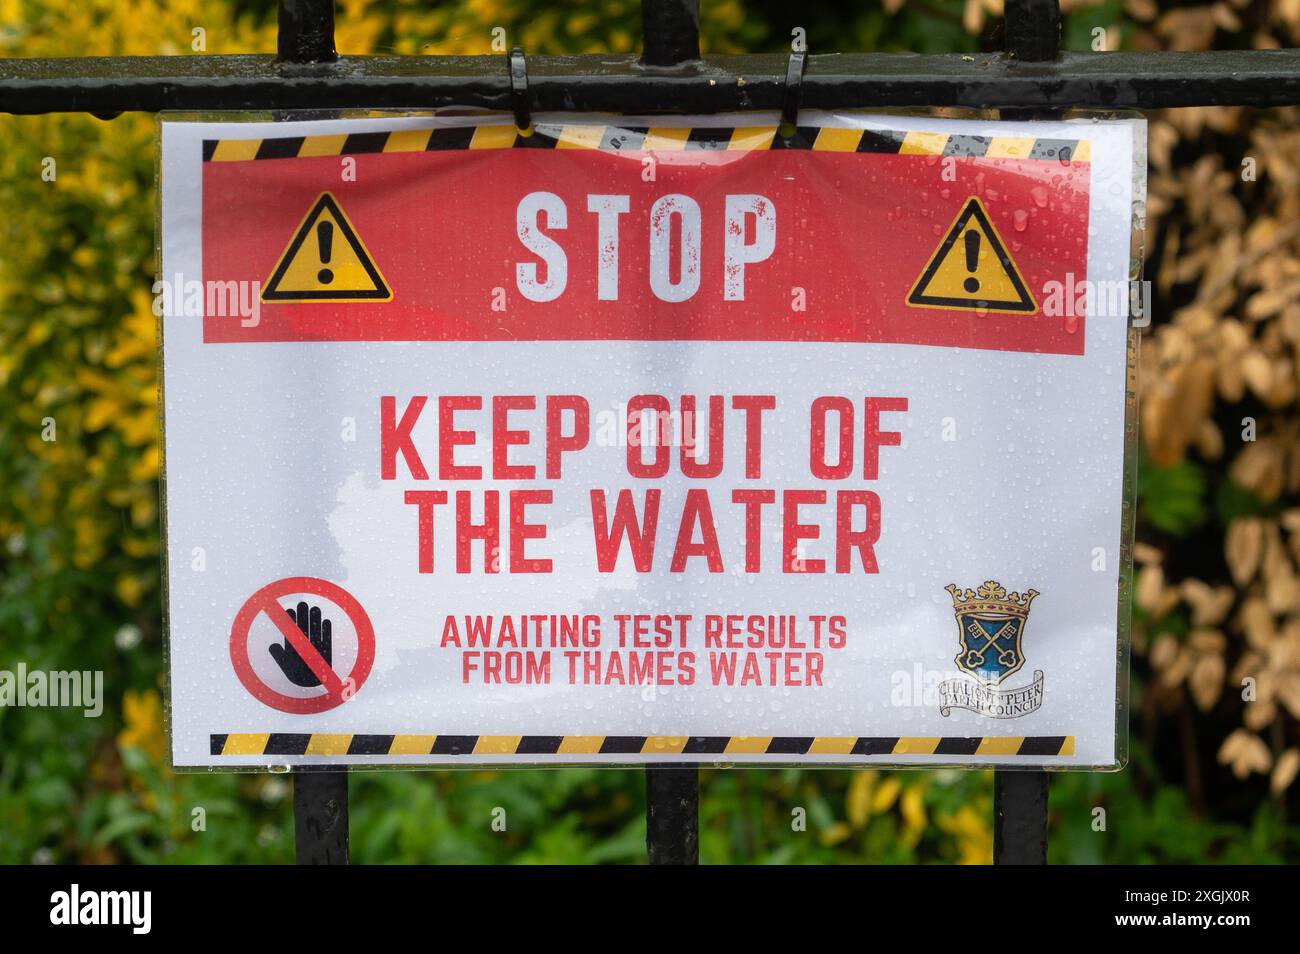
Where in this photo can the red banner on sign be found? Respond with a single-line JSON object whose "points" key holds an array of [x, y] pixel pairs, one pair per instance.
{"points": [[503, 244]]}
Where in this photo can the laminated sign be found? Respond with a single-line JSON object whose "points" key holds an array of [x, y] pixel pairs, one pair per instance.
{"points": [[623, 441]]}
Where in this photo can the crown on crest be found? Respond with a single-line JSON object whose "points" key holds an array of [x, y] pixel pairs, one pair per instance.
{"points": [[990, 597]]}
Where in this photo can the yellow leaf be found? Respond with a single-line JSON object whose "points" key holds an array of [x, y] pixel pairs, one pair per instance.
{"points": [[1243, 545], [100, 413], [858, 799], [142, 715], [129, 589], [886, 795], [1206, 681], [913, 809], [38, 332], [1284, 773], [146, 466], [836, 833]]}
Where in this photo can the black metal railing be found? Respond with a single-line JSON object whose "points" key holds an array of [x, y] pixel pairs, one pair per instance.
{"points": [[669, 76]]}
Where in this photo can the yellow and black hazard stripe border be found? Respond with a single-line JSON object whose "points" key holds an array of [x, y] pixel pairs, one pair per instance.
{"points": [[646, 139], [276, 743]]}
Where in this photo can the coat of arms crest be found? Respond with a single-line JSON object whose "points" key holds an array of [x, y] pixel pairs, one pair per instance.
{"points": [[990, 627], [990, 623]]}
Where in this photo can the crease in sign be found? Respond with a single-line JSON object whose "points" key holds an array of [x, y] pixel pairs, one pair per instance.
{"points": [[972, 270], [326, 261]]}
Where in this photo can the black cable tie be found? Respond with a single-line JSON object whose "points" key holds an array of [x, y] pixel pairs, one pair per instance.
{"points": [[519, 99], [793, 93]]}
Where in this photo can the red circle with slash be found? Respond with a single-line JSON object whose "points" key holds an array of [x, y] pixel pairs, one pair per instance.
{"points": [[265, 600]]}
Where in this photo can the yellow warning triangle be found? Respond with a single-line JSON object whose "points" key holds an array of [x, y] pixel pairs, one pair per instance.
{"points": [[326, 261], [972, 270]]}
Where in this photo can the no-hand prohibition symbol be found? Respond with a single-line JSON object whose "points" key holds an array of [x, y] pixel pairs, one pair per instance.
{"points": [[336, 690]]}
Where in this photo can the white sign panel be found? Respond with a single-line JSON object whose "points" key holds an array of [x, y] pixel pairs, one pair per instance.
{"points": [[665, 440]]}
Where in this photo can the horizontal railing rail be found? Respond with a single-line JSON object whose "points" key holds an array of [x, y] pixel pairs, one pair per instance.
{"points": [[110, 85]]}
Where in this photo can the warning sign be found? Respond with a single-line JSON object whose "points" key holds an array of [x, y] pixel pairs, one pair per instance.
{"points": [[325, 261], [972, 269], [568, 464], [305, 654]]}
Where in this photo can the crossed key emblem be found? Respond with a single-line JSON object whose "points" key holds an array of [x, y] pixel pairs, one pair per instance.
{"points": [[975, 657]]}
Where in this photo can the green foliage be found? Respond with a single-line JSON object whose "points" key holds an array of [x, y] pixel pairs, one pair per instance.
{"points": [[1107, 15], [1173, 498], [1157, 829], [1232, 501]]}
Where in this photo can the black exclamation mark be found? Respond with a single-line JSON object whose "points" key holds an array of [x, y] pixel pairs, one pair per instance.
{"points": [[325, 239], [972, 284]]}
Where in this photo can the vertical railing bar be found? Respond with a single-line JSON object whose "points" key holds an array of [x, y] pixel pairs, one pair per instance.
{"points": [[670, 32], [1020, 817], [320, 816], [320, 798], [306, 31], [672, 817], [1020, 797], [670, 36], [1033, 29]]}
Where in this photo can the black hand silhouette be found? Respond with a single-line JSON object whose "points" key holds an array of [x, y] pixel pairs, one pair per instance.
{"points": [[319, 632]]}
